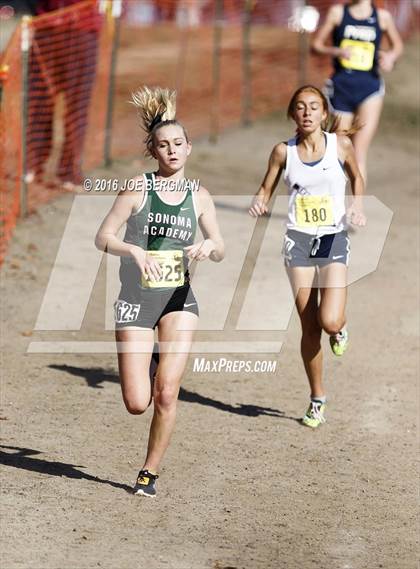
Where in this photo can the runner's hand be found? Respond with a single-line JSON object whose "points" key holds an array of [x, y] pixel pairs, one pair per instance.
{"points": [[200, 251], [344, 53], [150, 268], [386, 61], [356, 216], [258, 207]]}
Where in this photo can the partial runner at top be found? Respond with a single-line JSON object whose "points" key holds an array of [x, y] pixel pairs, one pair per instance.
{"points": [[356, 88]]}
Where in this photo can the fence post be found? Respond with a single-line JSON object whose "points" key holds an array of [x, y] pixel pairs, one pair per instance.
{"points": [[246, 64], [25, 44], [4, 73], [303, 52], [217, 40], [184, 28], [115, 13]]}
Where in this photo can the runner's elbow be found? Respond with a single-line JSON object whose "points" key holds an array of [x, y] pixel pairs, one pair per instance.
{"points": [[219, 252], [100, 241], [316, 47]]}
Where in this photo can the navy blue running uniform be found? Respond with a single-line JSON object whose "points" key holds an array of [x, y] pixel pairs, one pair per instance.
{"points": [[355, 78]]}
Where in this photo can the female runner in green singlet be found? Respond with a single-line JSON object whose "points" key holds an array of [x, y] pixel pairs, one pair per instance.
{"points": [[155, 282]]}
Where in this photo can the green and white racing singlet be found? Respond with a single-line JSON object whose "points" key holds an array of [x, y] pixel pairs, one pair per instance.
{"points": [[163, 230]]}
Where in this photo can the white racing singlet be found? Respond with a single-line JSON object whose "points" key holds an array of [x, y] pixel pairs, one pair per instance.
{"points": [[316, 193]]}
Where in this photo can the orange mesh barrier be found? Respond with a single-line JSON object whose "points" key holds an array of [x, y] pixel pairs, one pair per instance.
{"points": [[172, 44], [183, 59], [67, 80], [10, 137]]}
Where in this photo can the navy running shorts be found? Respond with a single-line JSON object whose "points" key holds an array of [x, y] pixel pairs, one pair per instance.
{"points": [[145, 308], [346, 91], [304, 250]]}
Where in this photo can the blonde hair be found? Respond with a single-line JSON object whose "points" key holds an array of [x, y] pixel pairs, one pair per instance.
{"points": [[156, 108], [331, 123]]}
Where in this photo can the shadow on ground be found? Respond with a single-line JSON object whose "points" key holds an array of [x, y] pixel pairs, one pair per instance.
{"points": [[95, 377], [23, 458]]}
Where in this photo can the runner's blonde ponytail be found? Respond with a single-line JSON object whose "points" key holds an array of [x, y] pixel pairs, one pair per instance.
{"points": [[156, 108]]}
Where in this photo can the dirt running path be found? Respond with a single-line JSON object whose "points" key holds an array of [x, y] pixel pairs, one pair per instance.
{"points": [[243, 484]]}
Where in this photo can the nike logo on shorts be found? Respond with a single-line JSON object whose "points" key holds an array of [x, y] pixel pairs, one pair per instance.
{"points": [[337, 257], [190, 304]]}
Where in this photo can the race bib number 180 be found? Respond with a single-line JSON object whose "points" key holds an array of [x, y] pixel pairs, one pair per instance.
{"points": [[314, 211], [361, 55], [172, 271]]}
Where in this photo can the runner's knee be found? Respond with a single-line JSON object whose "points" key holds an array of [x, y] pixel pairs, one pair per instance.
{"points": [[136, 405], [166, 396], [331, 324]]}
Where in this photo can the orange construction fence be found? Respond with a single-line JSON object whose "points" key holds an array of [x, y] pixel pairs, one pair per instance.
{"points": [[54, 86], [231, 61]]}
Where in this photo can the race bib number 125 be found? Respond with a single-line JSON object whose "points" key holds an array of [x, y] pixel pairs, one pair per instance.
{"points": [[172, 271], [125, 312]]}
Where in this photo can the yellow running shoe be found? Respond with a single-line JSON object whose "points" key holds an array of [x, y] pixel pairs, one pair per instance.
{"points": [[339, 342], [314, 415]]}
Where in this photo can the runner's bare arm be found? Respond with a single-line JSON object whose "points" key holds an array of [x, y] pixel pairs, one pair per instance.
{"points": [[276, 164], [346, 154], [388, 58], [106, 239], [212, 246], [319, 43]]}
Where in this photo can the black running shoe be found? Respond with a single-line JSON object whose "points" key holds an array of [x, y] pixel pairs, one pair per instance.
{"points": [[146, 484]]}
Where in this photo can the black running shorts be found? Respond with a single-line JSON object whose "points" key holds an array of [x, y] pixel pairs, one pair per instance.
{"points": [[144, 307]]}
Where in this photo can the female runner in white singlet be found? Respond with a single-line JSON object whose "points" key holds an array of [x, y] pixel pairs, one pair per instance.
{"points": [[316, 245]]}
